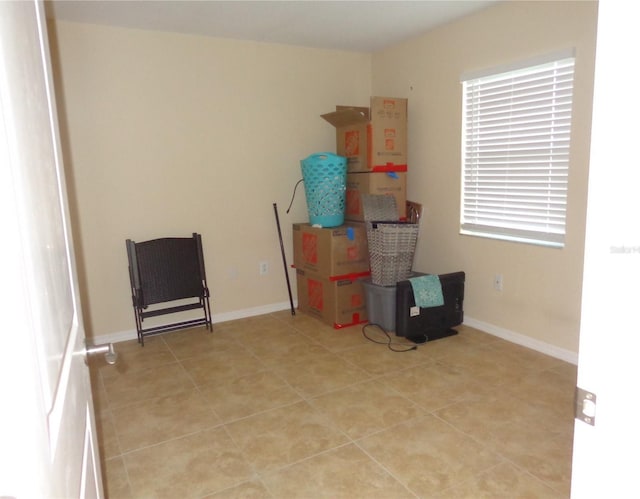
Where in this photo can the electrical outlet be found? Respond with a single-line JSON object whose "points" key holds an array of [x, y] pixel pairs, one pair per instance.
{"points": [[497, 282], [263, 267]]}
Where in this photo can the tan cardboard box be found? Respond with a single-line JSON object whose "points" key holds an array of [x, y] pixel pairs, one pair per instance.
{"points": [[340, 303], [331, 252], [387, 183], [372, 139]]}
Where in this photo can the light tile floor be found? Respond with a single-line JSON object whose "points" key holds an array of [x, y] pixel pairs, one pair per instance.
{"points": [[278, 406]]}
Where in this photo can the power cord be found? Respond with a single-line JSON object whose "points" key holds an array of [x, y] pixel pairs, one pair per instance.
{"points": [[389, 341], [294, 194]]}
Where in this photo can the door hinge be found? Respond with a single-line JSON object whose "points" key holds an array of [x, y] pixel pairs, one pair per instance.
{"points": [[585, 406]]}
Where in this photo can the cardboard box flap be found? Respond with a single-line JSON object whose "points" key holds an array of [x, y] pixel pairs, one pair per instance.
{"points": [[365, 111], [346, 117]]}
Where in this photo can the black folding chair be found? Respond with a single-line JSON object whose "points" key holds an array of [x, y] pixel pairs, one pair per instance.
{"points": [[167, 277]]}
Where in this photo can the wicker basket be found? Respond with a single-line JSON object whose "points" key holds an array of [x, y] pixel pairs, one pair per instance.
{"points": [[392, 247], [379, 207]]}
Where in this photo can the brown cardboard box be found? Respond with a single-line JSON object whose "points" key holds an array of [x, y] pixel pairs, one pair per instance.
{"points": [[338, 302], [331, 252], [387, 183], [372, 139]]}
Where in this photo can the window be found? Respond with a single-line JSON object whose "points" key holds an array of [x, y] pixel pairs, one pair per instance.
{"points": [[516, 126]]}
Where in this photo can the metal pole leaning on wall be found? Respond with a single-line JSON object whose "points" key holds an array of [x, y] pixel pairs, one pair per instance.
{"points": [[284, 259]]}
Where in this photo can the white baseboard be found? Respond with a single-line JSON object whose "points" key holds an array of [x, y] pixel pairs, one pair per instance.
{"points": [[525, 341], [216, 318], [505, 334]]}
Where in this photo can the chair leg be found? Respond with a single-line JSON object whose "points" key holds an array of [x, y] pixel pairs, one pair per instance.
{"points": [[207, 312], [139, 326]]}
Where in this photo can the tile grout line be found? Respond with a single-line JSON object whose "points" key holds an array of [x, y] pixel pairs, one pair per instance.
{"points": [[311, 401]]}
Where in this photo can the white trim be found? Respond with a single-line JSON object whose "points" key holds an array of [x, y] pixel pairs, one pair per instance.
{"points": [[514, 66], [131, 334], [505, 334], [525, 341]]}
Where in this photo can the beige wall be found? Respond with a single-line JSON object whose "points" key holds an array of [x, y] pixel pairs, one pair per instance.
{"points": [[542, 286], [167, 134]]}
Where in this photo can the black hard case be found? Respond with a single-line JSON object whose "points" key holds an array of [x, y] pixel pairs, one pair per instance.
{"points": [[426, 324]]}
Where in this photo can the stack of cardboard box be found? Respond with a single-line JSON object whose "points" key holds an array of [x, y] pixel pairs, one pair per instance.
{"points": [[374, 141], [330, 262]]}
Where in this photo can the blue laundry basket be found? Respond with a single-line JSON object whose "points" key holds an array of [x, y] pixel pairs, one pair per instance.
{"points": [[325, 185]]}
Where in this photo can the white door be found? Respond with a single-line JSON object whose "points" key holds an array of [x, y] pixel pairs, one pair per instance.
{"points": [[605, 462], [47, 429]]}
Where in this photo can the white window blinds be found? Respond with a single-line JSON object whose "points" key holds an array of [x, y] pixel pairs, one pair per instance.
{"points": [[516, 131]]}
